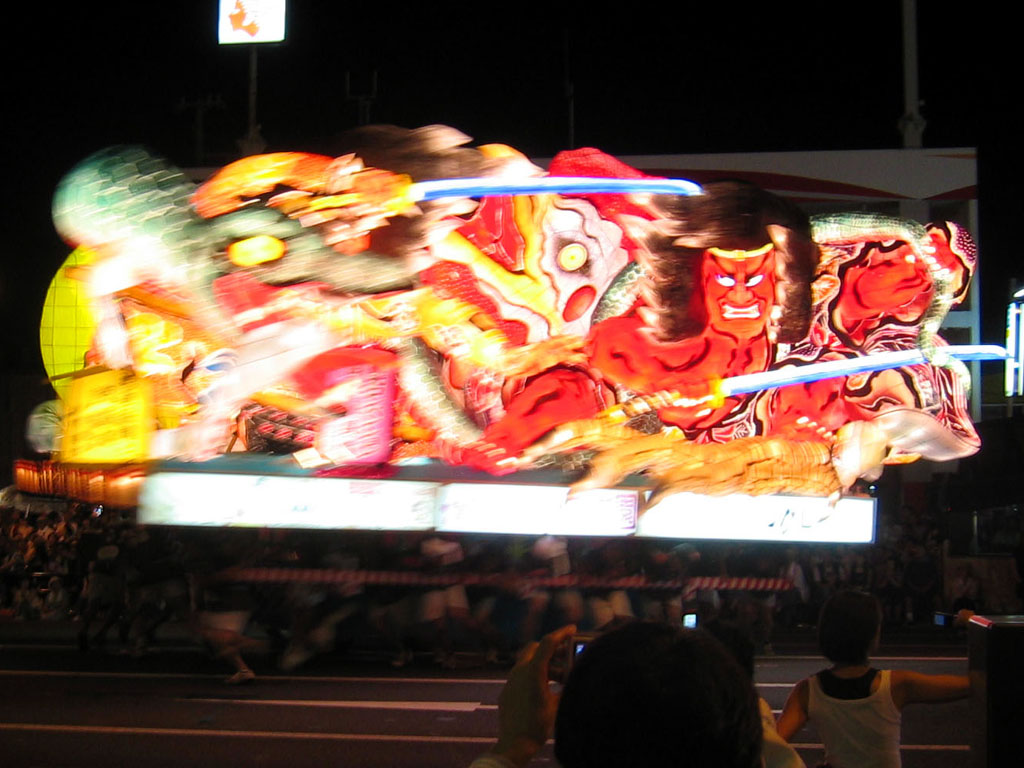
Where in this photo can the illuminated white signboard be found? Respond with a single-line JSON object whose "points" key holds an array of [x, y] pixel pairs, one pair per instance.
{"points": [[250, 21], [209, 499], [199, 498], [1015, 346], [536, 510], [760, 518]]}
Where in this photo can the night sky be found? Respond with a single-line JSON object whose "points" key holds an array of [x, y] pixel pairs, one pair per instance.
{"points": [[716, 79]]}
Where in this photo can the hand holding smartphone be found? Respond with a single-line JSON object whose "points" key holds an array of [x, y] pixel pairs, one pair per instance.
{"points": [[565, 656]]}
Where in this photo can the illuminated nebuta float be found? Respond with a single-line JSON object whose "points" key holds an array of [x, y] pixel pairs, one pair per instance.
{"points": [[421, 298]]}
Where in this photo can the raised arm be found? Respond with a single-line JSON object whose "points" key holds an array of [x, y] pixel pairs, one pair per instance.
{"points": [[794, 714], [527, 705], [912, 687]]}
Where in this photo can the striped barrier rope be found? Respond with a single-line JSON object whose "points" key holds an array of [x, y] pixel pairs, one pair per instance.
{"points": [[415, 578]]}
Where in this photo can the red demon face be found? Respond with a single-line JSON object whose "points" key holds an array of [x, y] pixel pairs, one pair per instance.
{"points": [[888, 281], [738, 292]]}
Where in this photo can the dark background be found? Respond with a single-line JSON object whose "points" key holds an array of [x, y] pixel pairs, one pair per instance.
{"points": [[698, 78]]}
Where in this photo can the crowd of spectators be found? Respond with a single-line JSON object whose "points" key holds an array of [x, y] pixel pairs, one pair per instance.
{"points": [[649, 694], [81, 562], [99, 568], [38, 564]]}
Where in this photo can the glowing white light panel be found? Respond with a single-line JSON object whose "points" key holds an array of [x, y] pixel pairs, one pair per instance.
{"points": [[760, 518], [209, 499], [536, 510]]}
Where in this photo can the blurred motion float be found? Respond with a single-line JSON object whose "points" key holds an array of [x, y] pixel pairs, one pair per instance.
{"points": [[419, 298]]}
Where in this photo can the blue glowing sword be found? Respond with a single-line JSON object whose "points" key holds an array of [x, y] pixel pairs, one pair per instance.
{"points": [[879, 361], [797, 374], [546, 185]]}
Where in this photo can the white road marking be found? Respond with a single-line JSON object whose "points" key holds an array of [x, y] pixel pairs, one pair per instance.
{"points": [[65, 646], [426, 706], [289, 678], [293, 735], [312, 736], [909, 747], [116, 675], [215, 676], [771, 660]]}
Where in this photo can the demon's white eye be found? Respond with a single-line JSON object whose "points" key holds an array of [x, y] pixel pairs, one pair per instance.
{"points": [[725, 280], [752, 281], [572, 257]]}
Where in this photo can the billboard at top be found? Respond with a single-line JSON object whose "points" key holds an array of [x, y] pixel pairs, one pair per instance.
{"points": [[250, 21]]}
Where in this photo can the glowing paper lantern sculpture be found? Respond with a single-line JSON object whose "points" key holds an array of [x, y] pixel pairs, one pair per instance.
{"points": [[716, 339]]}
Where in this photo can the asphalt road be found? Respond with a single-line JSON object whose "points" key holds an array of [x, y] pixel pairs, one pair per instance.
{"points": [[59, 707]]}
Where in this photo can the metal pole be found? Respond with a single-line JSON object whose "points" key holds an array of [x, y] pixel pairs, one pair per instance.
{"points": [[252, 92], [252, 143], [912, 124]]}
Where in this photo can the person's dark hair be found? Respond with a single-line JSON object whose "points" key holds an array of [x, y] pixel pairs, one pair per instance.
{"points": [[847, 626], [648, 695], [737, 641]]}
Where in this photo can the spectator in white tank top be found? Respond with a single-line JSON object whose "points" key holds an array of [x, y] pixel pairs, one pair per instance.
{"points": [[856, 708]]}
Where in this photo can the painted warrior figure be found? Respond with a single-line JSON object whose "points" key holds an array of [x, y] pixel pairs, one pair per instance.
{"points": [[738, 281]]}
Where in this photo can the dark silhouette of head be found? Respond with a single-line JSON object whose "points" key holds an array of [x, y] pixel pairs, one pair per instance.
{"points": [[848, 627], [649, 695], [736, 640]]}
